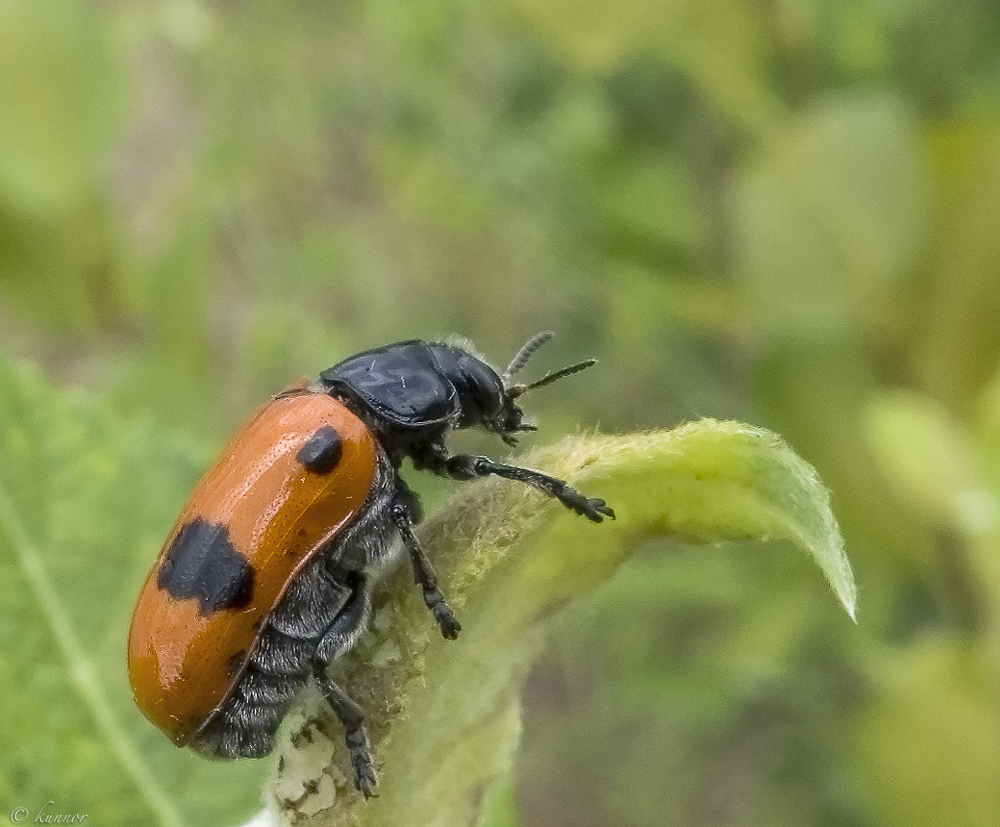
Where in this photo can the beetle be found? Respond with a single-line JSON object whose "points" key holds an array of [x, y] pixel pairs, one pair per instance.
{"points": [[267, 574]]}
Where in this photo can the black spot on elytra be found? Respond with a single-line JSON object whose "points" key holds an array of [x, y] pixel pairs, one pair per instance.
{"points": [[201, 562], [322, 452]]}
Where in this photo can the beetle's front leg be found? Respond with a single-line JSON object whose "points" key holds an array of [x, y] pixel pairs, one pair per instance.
{"points": [[467, 467], [424, 574]]}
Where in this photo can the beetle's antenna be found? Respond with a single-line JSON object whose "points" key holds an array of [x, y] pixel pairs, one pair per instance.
{"points": [[525, 353], [517, 390]]}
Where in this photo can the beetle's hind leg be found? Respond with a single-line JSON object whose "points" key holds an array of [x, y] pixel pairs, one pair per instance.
{"points": [[353, 719], [423, 571], [467, 467], [338, 638]]}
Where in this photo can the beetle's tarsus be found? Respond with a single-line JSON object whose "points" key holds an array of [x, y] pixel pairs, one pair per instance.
{"points": [[450, 627], [365, 777], [597, 509]]}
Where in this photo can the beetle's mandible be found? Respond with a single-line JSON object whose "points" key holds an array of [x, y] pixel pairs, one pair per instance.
{"points": [[268, 572]]}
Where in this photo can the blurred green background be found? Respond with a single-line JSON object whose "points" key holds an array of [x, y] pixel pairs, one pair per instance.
{"points": [[782, 211]]}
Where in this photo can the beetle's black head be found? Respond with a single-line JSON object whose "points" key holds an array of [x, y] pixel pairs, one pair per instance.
{"points": [[482, 399], [487, 399]]}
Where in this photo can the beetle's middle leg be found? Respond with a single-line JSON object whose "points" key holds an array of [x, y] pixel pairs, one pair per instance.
{"points": [[423, 571]]}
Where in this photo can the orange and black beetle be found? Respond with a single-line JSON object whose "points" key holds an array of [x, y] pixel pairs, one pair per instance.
{"points": [[266, 576]]}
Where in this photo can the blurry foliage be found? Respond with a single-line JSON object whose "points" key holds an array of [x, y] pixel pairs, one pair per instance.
{"points": [[780, 210]]}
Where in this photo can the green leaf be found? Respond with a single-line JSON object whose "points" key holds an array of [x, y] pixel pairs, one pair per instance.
{"points": [[444, 716], [85, 501]]}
